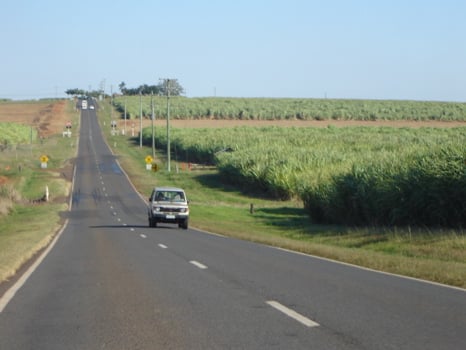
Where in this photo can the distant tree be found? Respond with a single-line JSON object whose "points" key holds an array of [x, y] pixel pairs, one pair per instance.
{"points": [[94, 93], [175, 87], [122, 87], [149, 89], [160, 89], [75, 92]]}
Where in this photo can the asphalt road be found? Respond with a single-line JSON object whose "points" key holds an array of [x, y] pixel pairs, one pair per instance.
{"points": [[111, 282]]}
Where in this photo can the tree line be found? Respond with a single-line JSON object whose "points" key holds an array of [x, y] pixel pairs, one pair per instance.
{"points": [[161, 89]]}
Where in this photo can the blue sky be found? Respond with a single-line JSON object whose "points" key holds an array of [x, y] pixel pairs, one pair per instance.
{"points": [[360, 49]]}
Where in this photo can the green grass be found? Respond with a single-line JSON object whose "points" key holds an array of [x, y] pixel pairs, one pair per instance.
{"points": [[13, 133], [24, 232]]}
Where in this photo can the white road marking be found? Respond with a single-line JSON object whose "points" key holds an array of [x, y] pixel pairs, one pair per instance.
{"points": [[143, 236], [163, 246], [293, 314], [369, 269], [118, 219], [198, 264]]}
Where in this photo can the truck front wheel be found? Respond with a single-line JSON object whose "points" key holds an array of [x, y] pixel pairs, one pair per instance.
{"points": [[183, 224], [152, 222]]}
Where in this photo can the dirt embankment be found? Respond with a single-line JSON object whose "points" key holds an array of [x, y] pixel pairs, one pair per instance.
{"points": [[47, 117]]}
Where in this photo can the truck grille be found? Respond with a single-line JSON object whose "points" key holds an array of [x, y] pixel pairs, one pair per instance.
{"points": [[171, 210]]}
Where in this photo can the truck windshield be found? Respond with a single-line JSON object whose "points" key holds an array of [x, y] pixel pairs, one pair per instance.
{"points": [[169, 196]]}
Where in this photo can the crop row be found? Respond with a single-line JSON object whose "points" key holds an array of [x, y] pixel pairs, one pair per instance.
{"points": [[290, 109], [377, 176], [14, 133]]}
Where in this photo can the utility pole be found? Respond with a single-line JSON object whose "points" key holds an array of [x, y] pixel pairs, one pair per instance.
{"points": [[140, 119], [111, 106], [168, 123], [124, 129], [153, 128]]}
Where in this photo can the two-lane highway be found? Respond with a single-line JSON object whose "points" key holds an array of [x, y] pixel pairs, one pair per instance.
{"points": [[111, 282]]}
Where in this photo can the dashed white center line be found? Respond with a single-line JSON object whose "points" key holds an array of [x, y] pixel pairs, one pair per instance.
{"points": [[163, 246], [143, 236], [198, 264], [293, 314], [131, 229]]}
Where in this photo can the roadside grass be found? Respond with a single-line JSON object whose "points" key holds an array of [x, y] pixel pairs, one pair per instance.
{"points": [[218, 207], [27, 227], [24, 232]]}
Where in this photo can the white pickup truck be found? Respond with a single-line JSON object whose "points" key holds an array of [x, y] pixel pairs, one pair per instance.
{"points": [[168, 205]]}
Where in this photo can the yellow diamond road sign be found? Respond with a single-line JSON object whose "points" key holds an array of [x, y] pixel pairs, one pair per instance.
{"points": [[148, 159], [44, 159]]}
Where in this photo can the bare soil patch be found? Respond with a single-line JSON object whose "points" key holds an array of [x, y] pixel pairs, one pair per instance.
{"points": [[3, 180], [48, 117]]}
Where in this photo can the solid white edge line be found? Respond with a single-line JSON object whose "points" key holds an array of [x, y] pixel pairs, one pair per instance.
{"points": [[369, 269], [339, 262], [293, 314], [198, 264], [10, 293]]}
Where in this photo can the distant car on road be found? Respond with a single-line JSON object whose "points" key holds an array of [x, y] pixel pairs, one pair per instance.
{"points": [[168, 205]]}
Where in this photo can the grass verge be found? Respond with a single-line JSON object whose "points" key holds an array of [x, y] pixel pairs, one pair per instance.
{"points": [[27, 224]]}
